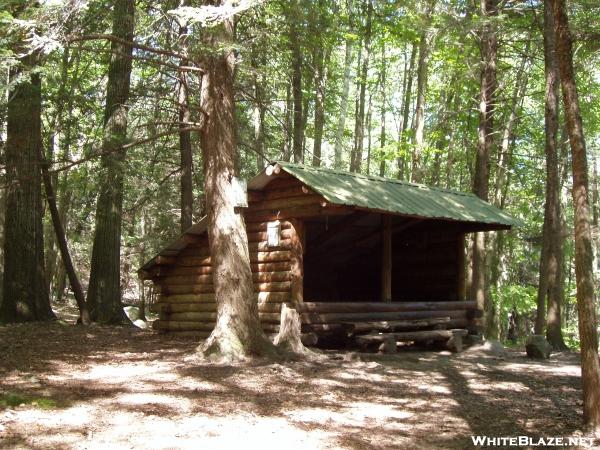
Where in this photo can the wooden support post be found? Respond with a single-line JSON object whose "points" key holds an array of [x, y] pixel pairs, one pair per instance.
{"points": [[297, 262], [461, 264], [386, 259]]}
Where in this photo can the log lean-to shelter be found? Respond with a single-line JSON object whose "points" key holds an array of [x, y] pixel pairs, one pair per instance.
{"points": [[351, 253]]}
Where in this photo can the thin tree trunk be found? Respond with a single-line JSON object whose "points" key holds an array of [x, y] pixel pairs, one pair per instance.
{"points": [[298, 133], [360, 120], [588, 336], [237, 332], [287, 139], [481, 178], [407, 100], [382, 136], [25, 290], [341, 126], [422, 69], [321, 64], [185, 138], [104, 292], [84, 315]]}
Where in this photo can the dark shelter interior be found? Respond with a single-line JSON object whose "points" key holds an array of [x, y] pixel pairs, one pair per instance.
{"points": [[344, 258]]}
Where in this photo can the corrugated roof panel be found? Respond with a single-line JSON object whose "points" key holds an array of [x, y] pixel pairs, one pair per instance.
{"points": [[384, 194]]}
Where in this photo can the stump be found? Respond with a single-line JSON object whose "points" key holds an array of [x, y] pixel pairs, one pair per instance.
{"points": [[289, 337], [538, 347]]}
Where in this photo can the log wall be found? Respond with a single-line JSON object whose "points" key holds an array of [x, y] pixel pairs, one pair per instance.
{"points": [[186, 302]]}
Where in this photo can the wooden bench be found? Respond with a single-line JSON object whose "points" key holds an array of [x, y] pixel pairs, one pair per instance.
{"points": [[453, 338], [396, 325]]}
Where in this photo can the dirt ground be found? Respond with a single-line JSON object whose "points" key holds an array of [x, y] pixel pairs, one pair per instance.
{"points": [[69, 387]]}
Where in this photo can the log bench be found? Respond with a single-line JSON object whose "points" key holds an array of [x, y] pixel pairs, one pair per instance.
{"points": [[397, 325], [452, 338]]}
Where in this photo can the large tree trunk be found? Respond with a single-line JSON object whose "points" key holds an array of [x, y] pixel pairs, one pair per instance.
{"points": [[185, 138], [485, 142], [25, 290], [551, 279], [237, 332], [422, 69], [360, 119], [104, 292], [588, 336], [341, 126]]}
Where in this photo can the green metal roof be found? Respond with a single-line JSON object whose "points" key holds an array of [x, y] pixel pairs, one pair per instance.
{"points": [[395, 196]]}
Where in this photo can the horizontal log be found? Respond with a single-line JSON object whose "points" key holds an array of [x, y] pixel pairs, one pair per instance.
{"points": [[297, 212], [282, 286], [392, 325], [262, 226], [269, 277], [281, 266], [173, 325], [208, 279], [428, 335], [273, 297], [187, 298], [313, 318], [197, 316], [263, 246], [274, 194], [206, 307], [187, 279], [321, 328], [308, 199], [179, 289], [260, 236], [259, 257], [187, 261], [342, 307], [161, 272], [194, 251]]}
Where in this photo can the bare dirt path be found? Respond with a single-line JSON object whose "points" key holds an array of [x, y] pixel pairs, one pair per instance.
{"points": [[70, 387]]}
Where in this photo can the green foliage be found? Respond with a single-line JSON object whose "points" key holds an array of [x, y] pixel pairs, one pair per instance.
{"points": [[13, 399]]}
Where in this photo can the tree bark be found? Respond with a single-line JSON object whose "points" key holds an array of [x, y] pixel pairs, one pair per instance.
{"points": [[104, 292], [84, 315], [322, 53], [294, 38], [588, 336], [25, 295], [407, 100], [360, 119], [481, 178], [341, 126], [237, 333], [382, 134], [185, 138], [551, 280], [422, 69]]}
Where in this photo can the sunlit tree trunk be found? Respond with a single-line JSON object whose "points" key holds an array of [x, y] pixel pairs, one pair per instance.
{"points": [[407, 100], [104, 292], [422, 69], [382, 134], [185, 138], [588, 336], [360, 119], [341, 126], [237, 332], [551, 279], [481, 178]]}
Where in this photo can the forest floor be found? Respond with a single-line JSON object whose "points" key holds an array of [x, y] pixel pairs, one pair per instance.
{"points": [[70, 387]]}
